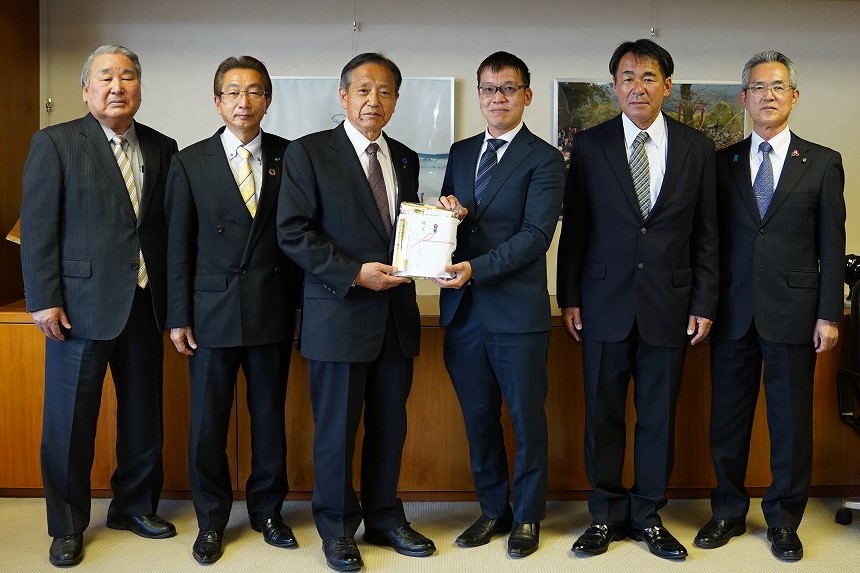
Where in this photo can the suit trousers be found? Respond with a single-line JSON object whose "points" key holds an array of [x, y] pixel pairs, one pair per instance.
{"points": [[736, 376], [338, 390], [213, 387], [487, 367], [74, 375], [657, 372]]}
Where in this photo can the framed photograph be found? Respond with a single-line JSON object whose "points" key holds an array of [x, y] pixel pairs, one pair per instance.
{"points": [[711, 107], [423, 118]]}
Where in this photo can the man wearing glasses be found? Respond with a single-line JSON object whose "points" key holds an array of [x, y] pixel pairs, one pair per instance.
{"points": [[232, 300], [782, 246], [495, 309]]}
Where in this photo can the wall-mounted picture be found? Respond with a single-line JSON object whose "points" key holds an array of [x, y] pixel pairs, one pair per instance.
{"points": [[711, 107], [423, 118]]}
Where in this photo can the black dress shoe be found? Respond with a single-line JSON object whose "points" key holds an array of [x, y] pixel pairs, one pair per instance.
{"points": [[403, 540], [718, 532], [483, 530], [784, 543], [208, 547], [660, 542], [150, 526], [342, 554], [275, 532], [67, 551], [597, 538], [524, 539]]}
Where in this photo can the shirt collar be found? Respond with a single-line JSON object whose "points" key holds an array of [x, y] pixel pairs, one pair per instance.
{"points": [[507, 136], [779, 142], [130, 134], [656, 131], [360, 142], [231, 143]]}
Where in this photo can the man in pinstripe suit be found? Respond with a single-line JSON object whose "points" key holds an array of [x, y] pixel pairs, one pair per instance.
{"points": [[782, 247], [93, 256]]}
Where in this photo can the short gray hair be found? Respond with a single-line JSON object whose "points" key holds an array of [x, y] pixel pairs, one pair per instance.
{"points": [[765, 57], [104, 50]]}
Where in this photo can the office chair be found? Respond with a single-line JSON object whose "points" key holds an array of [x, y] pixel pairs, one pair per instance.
{"points": [[848, 379]]}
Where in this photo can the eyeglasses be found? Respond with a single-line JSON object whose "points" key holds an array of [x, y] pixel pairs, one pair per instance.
{"points": [[508, 90], [253, 94], [759, 89]]}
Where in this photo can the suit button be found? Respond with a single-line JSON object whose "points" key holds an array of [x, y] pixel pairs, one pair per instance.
{"points": [[643, 231], [219, 228], [760, 232], [243, 272], [474, 229], [133, 266], [640, 266]]}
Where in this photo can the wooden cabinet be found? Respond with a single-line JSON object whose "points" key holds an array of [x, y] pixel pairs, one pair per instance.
{"points": [[435, 460]]}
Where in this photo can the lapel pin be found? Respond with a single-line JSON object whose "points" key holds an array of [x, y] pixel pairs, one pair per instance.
{"points": [[272, 172], [734, 159], [803, 160], [794, 153], [404, 162]]}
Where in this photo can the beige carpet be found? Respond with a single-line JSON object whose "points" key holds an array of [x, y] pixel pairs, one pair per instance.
{"points": [[829, 547]]}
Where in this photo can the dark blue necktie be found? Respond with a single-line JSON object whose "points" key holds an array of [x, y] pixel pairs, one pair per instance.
{"points": [[485, 167], [763, 184]]}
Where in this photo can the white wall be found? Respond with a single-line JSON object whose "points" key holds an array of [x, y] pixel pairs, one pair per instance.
{"points": [[180, 42]]}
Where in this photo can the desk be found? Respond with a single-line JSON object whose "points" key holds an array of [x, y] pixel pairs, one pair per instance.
{"points": [[435, 459]]}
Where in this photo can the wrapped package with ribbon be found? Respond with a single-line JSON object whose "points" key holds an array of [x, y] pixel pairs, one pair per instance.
{"points": [[424, 240]]}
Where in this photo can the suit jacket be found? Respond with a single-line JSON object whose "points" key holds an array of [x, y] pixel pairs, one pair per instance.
{"points": [[620, 268], [227, 277], [328, 223], [505, 239], [80, 236], [785, 270]]}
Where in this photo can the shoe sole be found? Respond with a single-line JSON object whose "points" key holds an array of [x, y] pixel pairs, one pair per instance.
{"points": [[422, 553], [346, 568], [66, 563], [209, 561], [715, 545], [588, 553], [517, 554], [122, 526]]}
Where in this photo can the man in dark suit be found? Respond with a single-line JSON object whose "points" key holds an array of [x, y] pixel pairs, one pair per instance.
{"points": [[93, 257], [637, 279], [782, 247], [360, 326], [232, 299], [496, 308]]}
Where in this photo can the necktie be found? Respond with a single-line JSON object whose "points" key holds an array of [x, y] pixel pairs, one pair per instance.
{"points": [[488, 162], [245, 180], [639, 171], [763, 184], [128, 176], [377, 185]]}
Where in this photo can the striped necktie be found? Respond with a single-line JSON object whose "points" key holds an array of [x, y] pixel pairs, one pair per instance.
{"points": [[377, 185], [245, 180], [763, 184], [125, 168], [488, 162], [640, 173]]}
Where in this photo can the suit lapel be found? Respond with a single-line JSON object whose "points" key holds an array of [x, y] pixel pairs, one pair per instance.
{"points": [[518, 149], [676, 156], [615, 151], [149, 160], [792, 169], [98, 148], [222, 182], [465, 173], [272, 167], [739, 166], [346, 163]]}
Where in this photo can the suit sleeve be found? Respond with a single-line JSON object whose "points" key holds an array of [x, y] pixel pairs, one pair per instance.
{"points": [[704, 248], [41, 224], [181, 214], [831, 240], [543, 199], [299, 235], [575, 227]]}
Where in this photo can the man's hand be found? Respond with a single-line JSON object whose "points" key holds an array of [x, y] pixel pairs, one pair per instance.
{"points": [[451, 203], [183, 340], [49, 320], [462, 273], [699, 326], [572, 319], [378, 277], [825, 335]]}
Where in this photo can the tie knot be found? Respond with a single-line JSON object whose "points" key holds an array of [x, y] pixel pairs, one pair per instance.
{"points": [[120, 140], [372, 148], [641, 138], [244, 153], [765, 147], [495, 144]]}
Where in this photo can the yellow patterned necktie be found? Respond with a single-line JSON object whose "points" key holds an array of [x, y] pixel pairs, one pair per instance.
{"points": [[125, 168], [245, 181]]}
